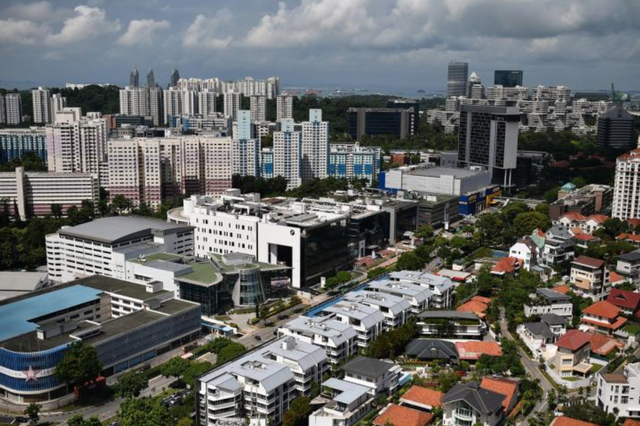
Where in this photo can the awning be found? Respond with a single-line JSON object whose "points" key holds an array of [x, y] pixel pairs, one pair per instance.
{"points": [[583, 367]]}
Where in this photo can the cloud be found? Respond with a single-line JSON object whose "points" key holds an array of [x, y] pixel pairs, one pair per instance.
{"points": [[88, 22], [38, 11], [203, 32], [20, 32], [142, 32]]}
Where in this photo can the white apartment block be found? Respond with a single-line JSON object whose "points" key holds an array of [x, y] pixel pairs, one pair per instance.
{"points": [[12, 108], [246, 157], [179, 102], [232, 104], [441, 287], [620, 391], [207, 103], [626, 187], [287, 153], [348, 404], [246, 87], [547, 301], [339, 340], [58, 103], [367, 321], [315, 147], [380, 377], [143, 101], [41, 99], [104, 245], [417, 296], [261, 384], [284, 107], [33, 193], [258, 105], [396, 310]]}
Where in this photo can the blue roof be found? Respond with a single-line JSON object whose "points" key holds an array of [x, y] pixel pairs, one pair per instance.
{"points": [[15, 317], [568, 187]]}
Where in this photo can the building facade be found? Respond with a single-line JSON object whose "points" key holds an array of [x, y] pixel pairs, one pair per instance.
{"points": [[14, 143], [626, 189], [351, 161], [314, 161]]}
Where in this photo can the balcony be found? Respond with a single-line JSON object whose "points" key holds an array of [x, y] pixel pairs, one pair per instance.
{"points": [[463, 414]]}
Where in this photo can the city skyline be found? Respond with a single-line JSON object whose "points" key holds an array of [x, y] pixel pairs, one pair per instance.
{"points": [[311, 43]]}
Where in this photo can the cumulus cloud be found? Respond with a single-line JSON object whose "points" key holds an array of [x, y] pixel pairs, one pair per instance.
{"points": [[38, 11], [142, 32], [20, 31], [202, 33], [87, 23]]}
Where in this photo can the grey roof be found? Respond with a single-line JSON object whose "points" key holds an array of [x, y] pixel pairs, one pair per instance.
{"points": [[448, 314], [368, 367], [539, 329], [617, 112], [482, 400], [631, 256], [423, 278], [553, 296], [333, 330], [112, 230], [445, 171], [304, 354], [559, 232], [21, 281], [349, 392], [553, 319], [415, 291], [395, 304], [368, 315], [432, 349]]}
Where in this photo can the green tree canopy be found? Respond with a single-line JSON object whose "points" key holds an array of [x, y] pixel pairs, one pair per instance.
{"points": [[131, 384], [79, 365], [175, 367], [297, 413], [143, 412]]}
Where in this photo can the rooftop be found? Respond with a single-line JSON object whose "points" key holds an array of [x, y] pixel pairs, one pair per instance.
{"points": [[624, 299], [405, 416], [423, 396], [602, 309], [472, 350], [573, 340], [428, 349], [449, 315], [505, 387], [368, 367], [568, 421], [202, 273], [444, 171], [21, 281], [552, 295], [123, 288], [482, 400], [539, 329], [588, 261], [348, 392]]}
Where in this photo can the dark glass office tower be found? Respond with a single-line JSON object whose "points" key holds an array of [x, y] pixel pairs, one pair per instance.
{"points": [[508, 78], [457, 75], [615, 129]]}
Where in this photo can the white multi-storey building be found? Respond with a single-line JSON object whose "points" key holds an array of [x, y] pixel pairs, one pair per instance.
{"points": [[287, 153], [104, 245], [58, 103], [284, 107], [441, 287], [41, 98], [232, 104], [207, 103], [626, 188], [314, 162], [349, 403], [396, 310], [143, 101], [246, 149], [180, 102], [380, 377], [258, 105], [12, 108], [620, 391], [416, 295], [368, 321]]}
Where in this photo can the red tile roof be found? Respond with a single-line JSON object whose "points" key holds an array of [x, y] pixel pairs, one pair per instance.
{"points": [[589, 261], [568, 421], [473, 350], [634, 223], [631, 422], [603, 345], [398, 415], [573, 340], [615, 277], [602, 309], [423, 396], [611, 326], [506, 265], [504, 387], [562, 289], [628, 237], [585, 237], [624, 299], [574, 217], [474, 306], [599, 218]]}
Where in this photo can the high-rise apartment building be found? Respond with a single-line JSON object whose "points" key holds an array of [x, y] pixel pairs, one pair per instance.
{"points": [[151, 79], [626, 188], [143, 101], [287, 153], [508, 78], [284, 107], [207, 102], [616, 129], [3, 114], [14, 143], [258, 105], [179, 102], [13, 108], [232, 104], [351, 161], [41, 99], [488, 136], [457, 79], [58, 103], [134, 78], [315, 147], [246, 148]]}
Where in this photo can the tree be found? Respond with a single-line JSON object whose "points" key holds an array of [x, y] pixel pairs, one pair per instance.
{"points": [[33, 413], [297, 413], [143, 412], [195, 369], [447, 379], [56, 211], [79, 365], [409, 261], [131, 384], [120, 203], [175, 367], [526, 223], [78, 420]]}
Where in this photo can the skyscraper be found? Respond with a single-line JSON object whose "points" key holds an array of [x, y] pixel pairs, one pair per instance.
{"points": [[175, 76], [287, 151], [207, 102], [475, 89], [457, 79], [615, 129], [143, 101], [315, 147], [58, 103], [508, 78], [488, 136], [626, 187], [258, 108], [246, 149], [41, 99], [179, 102], [284, 107], [13, 108], [134, 78], [151, 79], [232, 104]]}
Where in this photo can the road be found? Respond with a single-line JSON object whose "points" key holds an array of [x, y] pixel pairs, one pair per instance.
{"points": [[531, 367]]}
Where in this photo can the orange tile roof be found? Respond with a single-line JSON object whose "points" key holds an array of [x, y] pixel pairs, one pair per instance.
{"points": [[398, 415], [615, 277], [562, 289], [589, 261], [474, 306], [628, 237], [568, 421], [600, 218], [574, 216], [573, 340], [419, 395], [506, 265], [485, 300], [602, 309], [603, 345], [585, 237], [634, 223], [614, 326], [503, 387], [631, 422], [473, 350]]}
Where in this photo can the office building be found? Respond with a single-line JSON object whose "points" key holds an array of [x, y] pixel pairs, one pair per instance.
{"points": [[397, 122], [617, 391], [352, 161], [151, 169], [260, 384], [284, 107], [14, 143], [626, 190], [173, 79], [232, 104], [104, 245], [134, 78], [151, 79], [42, 111], [207, 103], [507, 78], [29, 194], [258, 104], [314, 161], [126, 324], [488, 136], [287, 153], [457, 74], [616, 129], [12, 108]]}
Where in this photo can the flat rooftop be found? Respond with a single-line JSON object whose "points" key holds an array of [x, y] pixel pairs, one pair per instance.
{"points": [[124, 288], [445, 171], [204, 273]]}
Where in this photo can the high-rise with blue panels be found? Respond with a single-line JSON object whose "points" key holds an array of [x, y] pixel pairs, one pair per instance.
{"points": [[14, 143], [351, 161]]}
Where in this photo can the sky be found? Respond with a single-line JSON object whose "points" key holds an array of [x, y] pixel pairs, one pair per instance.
{"points": [[583, 44]]}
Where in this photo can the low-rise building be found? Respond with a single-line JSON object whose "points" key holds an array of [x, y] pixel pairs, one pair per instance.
{"points": [[367, 321], [396, 310], [417, 296], [538, 335], [628, 265], [627, 301], [477, 304], [397, 414], [432, 350], [576, 222], [422, 398], [572, 355], [380, 377], [590, 278], [602, 317], [617, 393], [506, 387], [558, 247], [452, 324], [469, 404], [441, 287], [347, 404], [548, 301], [526, 250], [471, 351]]}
